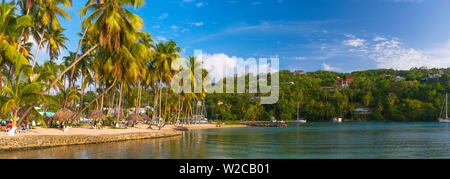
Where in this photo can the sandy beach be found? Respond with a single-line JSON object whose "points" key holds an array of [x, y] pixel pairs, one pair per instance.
{"points": [[50, 137], [39, 131]]}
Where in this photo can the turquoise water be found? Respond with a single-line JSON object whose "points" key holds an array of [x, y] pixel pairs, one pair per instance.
{"points": [[310, 141]]}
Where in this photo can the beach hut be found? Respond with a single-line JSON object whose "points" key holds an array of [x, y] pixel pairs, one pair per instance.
{"points": [[63, 115], [96, 115], [145, 117], [134, 118]]}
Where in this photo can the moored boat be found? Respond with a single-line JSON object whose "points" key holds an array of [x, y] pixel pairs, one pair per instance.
{"points": [[444, 115], [337, 119]]}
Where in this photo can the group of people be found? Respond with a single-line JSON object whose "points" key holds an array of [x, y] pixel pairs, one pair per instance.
{"points": [[7, 126]]}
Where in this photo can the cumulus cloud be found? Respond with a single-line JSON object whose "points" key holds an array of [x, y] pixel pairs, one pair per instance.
{"points": [[220, 65], [327, 67], [392, 53], [355, 42]]}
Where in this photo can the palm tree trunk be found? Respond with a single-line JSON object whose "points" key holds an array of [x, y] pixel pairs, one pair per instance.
{"points": [[82, 92], [76, 55], [155, 103], [21, 34], [71, 66], [95, 92], [90, 103], [120, 100], [101, 104], [38, 47]]}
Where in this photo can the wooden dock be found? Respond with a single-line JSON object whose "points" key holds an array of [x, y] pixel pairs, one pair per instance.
{"points": [[254, 124]]}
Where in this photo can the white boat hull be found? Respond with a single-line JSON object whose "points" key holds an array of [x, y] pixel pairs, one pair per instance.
{"points": [[445, 120], [300, 121]]}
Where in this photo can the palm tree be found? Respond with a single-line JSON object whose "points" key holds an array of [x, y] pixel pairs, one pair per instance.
{"points": [[55, 41], [26, 6], [111, 25], [10, 22], [166, 55], [47, 19], [124, 66], [21, 91]]}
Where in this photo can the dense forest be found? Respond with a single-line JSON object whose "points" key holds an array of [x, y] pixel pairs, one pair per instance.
{"points": [[412, 95]]}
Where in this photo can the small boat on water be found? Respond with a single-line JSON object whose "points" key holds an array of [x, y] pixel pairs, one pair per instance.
{"points": [[301, 120], [444, 115]]}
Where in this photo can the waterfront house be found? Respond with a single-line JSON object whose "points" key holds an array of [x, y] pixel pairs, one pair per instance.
{"points": [[361, 113]]}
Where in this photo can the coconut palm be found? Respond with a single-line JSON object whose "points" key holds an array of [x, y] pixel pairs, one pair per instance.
{"points": [[109, 25], [47, 20], [55, 41], [10, 22], [21, 91], [166, 55]]}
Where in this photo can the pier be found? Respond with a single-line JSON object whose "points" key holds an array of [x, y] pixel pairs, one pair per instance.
{"points": [[256, 124]]}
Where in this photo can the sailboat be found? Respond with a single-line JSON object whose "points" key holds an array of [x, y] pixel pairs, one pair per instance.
{"points": [[299, 120], [445, 115]]}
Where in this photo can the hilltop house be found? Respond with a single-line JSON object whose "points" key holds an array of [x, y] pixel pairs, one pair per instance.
{"points": [[298, 72], [344, 82], [341, 83]]}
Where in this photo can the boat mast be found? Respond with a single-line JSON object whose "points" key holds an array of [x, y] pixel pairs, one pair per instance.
{"points": [[446, 105]]}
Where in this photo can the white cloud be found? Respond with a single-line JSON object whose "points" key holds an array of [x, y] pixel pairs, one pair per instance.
{"points": [[327, 67], [355, 42], [379, 38], [160, 38], [163, 16], [392, 53], [257, 3], [197, 23], [220, 65], [200, 4], [413, 1]]}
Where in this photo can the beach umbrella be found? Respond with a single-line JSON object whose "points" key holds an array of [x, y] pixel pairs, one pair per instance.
{"points": [[134, 118], [96, 115], [63, 114]]}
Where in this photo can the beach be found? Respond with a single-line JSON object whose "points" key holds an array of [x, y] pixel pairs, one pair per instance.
{"points": [[50, 137]]}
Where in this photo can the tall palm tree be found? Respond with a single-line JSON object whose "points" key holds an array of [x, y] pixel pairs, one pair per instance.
{"points": [[26, 6], [124, 66], [10, 22], [166, 55], [55, 41], [110, 24], [21, 91], [47, 19]]}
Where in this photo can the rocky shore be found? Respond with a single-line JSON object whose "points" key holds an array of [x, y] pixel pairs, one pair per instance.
{"points": [[42, 141], [44, 138]]}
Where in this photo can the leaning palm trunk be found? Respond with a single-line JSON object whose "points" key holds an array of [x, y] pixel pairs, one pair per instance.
{"points": [[155, 104], [96, 98], [21, 34], [27, 112], [38, 47], [120, 101]]}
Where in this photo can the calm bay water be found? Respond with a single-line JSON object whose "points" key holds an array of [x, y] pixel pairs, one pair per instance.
{"points": [[311, 141]]}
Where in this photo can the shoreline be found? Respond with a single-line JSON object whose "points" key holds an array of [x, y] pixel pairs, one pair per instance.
{"points": [[48, 137]]}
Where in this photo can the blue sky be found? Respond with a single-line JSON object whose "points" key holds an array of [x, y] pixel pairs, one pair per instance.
{"points": [[337, 35]]}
